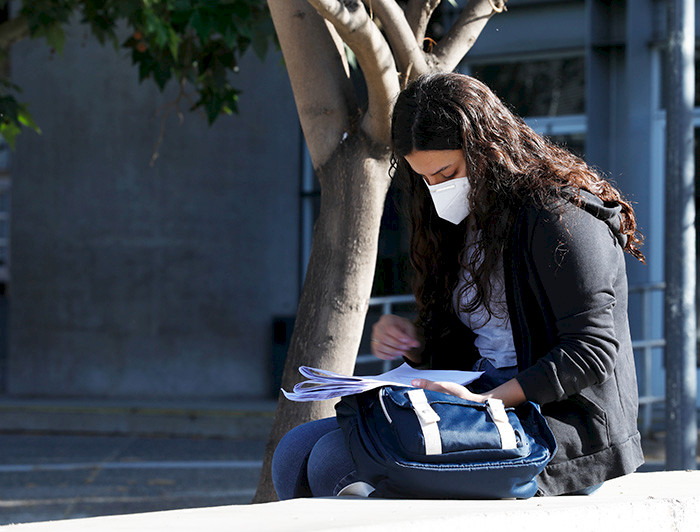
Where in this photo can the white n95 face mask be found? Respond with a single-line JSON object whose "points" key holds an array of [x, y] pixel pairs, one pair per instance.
{"points": [[451, 199]]}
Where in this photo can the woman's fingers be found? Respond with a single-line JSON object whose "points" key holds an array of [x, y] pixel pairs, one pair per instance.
{"points": [[393, 337], [451, 388], [404, 332], [387, 350], [387, 346]]}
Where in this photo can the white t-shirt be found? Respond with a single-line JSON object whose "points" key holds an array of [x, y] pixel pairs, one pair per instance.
{"points": [[494, 336]]}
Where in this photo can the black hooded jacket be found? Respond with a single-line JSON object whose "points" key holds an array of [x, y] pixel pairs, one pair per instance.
{"points": [[566, 288]]}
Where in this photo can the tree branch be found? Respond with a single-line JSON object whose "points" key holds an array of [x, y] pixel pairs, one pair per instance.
{"points": [[320, 80], [418, 13], [12, 31], [454, 46], [407, 50], [374, 56]]}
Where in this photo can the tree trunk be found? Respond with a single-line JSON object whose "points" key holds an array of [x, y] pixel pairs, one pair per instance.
{"points": [[338, 282]]}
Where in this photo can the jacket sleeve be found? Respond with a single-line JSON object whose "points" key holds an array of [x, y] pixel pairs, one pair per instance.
{"points": [[575, 261]]}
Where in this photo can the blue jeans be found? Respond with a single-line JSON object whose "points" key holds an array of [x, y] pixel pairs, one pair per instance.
{"points": [[311, 460]]}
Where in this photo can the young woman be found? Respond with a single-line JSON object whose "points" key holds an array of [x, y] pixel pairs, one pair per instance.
{"points": [[517, 247]]}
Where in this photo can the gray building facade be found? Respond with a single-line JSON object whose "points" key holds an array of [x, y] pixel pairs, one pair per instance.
{"points": [[131, 280]]}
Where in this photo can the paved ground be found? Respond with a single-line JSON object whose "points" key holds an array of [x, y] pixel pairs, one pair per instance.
{"points": [[52, 476]]}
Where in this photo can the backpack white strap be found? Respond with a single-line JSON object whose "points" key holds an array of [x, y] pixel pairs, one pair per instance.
{"points": [[428, 419], [500, 418]]}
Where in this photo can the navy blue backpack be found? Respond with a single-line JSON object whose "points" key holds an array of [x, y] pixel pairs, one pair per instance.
{"points": [[415, 443]]}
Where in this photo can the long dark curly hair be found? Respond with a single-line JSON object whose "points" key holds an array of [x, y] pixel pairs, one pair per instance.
{"points": [[508, 166]]}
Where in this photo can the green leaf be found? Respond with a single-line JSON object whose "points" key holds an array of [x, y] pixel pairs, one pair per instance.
{"points": [[9, 131], [26, 119], [9, 109], [260, 44], [212, 107], [7, 85], [182, 5], [174, 40], [161, 74], [54, 35], [201, 23], [241, 9], [13, 117]]}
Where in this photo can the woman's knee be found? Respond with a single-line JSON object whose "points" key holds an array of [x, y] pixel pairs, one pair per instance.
{"points": [[330, 466], [289, 461]]}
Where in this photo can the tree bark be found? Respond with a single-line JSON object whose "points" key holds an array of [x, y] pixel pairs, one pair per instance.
{"points": [[418, 13], [358, 30], [320, 81], [338, 282], [407, 49]]}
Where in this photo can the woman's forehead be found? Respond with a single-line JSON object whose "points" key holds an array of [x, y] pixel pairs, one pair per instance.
{"points": [[431, 162]]}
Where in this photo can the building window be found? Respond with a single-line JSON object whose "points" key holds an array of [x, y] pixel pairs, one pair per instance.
{"points": [[548, 87], [548, 93]]}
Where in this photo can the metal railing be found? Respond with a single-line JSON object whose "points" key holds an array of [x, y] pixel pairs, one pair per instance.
{"points": [[643, 346]]}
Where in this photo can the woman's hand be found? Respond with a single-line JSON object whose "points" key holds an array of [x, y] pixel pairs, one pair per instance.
{"points": [[510, 392], [451, 388], [395, 337]]}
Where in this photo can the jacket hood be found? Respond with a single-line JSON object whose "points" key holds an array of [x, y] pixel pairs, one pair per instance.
{"points": [[609, 212]]}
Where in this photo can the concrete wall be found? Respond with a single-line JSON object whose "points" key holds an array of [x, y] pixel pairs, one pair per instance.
{"points": [[130, 280]]}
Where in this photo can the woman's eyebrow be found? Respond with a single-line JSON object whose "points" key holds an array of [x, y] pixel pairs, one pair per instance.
{"points": [[441, 170]]}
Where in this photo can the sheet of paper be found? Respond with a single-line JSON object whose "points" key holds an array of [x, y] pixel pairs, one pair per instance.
{"points": [[322, 384]]}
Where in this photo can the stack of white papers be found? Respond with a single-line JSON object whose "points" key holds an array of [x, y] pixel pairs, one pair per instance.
{"points": [[323, 384]]}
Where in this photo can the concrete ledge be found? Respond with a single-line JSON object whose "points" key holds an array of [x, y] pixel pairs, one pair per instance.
{"points": [[643, 501]]}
